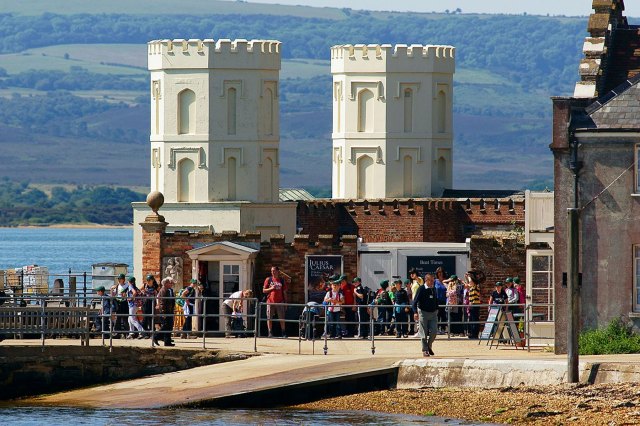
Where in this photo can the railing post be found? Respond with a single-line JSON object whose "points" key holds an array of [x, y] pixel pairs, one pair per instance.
{"points": [[204, 324], [256, 328], [448, 323], [372, 334], [42, 324], [84, 289], [326, 329], [153, 321]]}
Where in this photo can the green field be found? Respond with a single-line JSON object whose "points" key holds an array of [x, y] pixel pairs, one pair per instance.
{"points": [[164, 7], [123, 59]]}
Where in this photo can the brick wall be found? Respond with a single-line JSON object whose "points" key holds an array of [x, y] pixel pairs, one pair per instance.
{"points": [[498, 258], [420, 220], [290, 257]]}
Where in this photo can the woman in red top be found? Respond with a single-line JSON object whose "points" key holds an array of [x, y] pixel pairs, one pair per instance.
{"points": [[275, 288]]}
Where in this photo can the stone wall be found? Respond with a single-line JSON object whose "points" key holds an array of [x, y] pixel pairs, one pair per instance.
{"points": [[28, 371]]}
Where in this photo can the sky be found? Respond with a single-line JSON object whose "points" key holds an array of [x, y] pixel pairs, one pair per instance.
{"points": [[536, 7]]}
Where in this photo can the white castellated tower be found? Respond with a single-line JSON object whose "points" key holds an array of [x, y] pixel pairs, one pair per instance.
{"points": [[215, 136], [214, 120], [392, 120]]}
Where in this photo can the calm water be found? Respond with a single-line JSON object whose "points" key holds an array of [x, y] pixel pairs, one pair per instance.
{"points": [[63, 249], [196, 417]]}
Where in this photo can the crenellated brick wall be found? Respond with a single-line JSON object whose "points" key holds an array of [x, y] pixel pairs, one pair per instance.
{"points": [[407, 220], [290, 257]]}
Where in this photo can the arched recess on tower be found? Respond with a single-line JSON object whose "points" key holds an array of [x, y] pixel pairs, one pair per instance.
{"points": [[186, 180], [365, 110], [365, 176], [186, 112]]}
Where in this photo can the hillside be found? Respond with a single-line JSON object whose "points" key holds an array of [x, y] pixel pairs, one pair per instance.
{"points": [[73, 84]]}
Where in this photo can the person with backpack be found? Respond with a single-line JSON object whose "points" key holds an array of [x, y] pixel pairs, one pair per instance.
{"points": [[385, 308], [188, 294], [333, 300], [362, 297]]}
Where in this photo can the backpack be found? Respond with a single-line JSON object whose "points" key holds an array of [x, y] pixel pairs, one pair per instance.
{"points": [[384, 298]]}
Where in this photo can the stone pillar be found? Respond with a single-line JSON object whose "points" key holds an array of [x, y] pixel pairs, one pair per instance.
{"points": [[153, 228]]}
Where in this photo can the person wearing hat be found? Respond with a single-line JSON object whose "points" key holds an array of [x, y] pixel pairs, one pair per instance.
{"points": [[512, 295], [455, 290], [385, 308], [401, 310], [333, 300], [103, 324], [120, 307], [188, 294], [132, 304], [350, 309], [149, 292], [425, 306], [522, 295], [362, 299], [499, 296]]}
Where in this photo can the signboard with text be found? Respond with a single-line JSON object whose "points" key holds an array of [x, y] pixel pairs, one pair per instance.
{"points": [[317, 271], [424, 264]]}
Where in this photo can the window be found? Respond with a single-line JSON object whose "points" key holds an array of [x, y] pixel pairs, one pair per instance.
{"points": [[230, 279], [269, 112], [540, 287], [636, 278]]}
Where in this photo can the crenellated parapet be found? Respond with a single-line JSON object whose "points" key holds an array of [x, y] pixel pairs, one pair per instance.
{"points": [[210, 53], [392, 58]]}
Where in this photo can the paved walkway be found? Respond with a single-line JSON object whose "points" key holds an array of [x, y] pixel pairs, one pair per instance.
{"points": [[389, 347]]}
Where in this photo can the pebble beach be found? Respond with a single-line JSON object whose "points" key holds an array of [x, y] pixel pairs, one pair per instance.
{"points": [[606, 404]]}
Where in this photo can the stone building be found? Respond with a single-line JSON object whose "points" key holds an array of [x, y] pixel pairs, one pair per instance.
{"points": [[215, 137], [392, 120], [214, 157], [600, 124]]}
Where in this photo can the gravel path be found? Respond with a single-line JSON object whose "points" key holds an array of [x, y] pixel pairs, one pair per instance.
{"points": [[607, 404]]}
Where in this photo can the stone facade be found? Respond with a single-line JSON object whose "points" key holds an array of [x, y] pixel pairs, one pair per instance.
{"points": [[392, 120], [602, 125]]}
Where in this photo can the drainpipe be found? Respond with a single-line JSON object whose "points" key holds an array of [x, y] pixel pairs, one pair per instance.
{"points": [[573, 265]]}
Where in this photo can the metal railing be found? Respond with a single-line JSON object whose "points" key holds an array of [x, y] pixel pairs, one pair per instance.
{"points": [[51, 316]]}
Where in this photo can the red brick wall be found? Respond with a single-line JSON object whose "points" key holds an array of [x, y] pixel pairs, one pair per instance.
{"points": [[498, 259], [290, 257], [423, 220]]}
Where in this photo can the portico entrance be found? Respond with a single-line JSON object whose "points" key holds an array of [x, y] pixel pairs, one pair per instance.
{"points": [[223, 267]]}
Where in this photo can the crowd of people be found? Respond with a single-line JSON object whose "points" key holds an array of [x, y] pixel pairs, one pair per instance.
{"points": [[420, 306]]}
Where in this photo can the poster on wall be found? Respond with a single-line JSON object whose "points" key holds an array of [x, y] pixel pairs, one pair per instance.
{"points": [[424, 264], [318, 269]]}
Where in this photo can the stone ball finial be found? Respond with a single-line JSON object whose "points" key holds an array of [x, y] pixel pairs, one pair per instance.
{"points": [[155, 200]]}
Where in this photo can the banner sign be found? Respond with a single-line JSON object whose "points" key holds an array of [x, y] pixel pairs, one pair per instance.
{"points": [[318, 269], [424, 264]]}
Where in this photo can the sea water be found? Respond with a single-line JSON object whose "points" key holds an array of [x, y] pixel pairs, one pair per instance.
{"points": [[64, 249], [197, 417]]}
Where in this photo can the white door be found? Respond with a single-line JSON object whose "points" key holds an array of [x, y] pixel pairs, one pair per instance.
{"points": [[375, 267], [229, 283], [540, 294]]}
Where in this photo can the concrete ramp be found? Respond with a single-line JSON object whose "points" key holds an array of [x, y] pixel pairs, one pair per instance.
{"points": [[259, 381]]}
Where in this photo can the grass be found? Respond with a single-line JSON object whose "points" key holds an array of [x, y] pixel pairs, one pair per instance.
{"points": [[15, 63], [615, 338], [165, 7]]}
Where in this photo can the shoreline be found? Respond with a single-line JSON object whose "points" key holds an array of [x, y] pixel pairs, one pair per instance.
{"points": [[579, 404]]}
